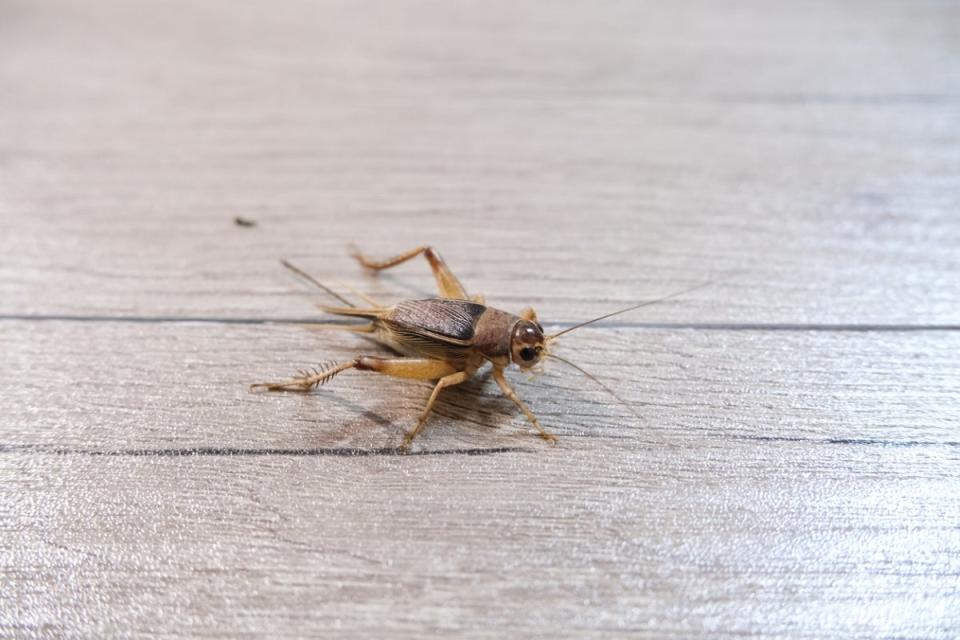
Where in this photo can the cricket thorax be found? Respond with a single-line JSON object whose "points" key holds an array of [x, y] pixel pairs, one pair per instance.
{"points": [[492, 335]]}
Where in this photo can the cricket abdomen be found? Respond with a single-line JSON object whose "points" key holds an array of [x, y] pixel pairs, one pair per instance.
{"points": [[458, 331]]}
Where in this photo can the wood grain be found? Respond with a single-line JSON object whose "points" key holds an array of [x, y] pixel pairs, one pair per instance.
{"points": [[794, 470], [798, 483], [575, 159]]}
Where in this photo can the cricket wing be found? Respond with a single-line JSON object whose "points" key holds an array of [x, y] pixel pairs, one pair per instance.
{"points": [[421, 345], [444, 320], [438, 328]]}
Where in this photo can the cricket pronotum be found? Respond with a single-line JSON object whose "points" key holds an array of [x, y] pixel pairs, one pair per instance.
{"points": [[447, 339]]}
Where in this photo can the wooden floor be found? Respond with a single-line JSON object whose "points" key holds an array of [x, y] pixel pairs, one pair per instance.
{"points": [[795, 470]]}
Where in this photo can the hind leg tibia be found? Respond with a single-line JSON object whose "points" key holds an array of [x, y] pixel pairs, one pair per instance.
{"points": [[307, 380]]}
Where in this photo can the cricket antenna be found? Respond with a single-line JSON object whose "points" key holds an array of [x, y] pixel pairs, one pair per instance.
{"points": [[631, 308], [595, 379], [306, 276]]}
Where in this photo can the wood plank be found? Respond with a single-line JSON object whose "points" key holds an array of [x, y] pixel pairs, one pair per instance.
{"points": [[771, 544], [797, 482], [576, 159], [130, 385], [780, 483]]}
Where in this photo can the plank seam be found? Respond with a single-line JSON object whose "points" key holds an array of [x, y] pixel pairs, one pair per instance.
{"points": [[343, 452], [703, 326]]}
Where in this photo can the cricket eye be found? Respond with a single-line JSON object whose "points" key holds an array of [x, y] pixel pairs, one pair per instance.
{"points": [[528, 353]]}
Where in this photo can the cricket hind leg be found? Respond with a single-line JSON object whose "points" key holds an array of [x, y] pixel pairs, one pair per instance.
{"points": [[447, 283], [415, 368], [443, 372], [307, 380], [510, 393]]}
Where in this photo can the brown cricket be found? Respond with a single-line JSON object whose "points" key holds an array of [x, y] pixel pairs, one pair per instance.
{"points": [[447, 339]]}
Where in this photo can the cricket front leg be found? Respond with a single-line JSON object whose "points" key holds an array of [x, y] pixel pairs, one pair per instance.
{"points": [[510, 393], [447, 283]]}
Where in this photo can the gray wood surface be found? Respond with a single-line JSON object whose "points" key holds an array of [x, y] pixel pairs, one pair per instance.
{"points": [[795, 469]]}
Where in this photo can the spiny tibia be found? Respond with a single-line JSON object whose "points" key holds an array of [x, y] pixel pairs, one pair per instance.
{"points": [[322, 375]]}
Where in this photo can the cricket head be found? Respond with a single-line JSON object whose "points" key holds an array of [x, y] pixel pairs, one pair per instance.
{"points": [[528, 345]]}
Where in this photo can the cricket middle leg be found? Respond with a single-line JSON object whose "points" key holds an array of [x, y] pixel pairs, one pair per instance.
{"points": [[443, 372], [510, 393], [446, 381], [447, 283]]}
